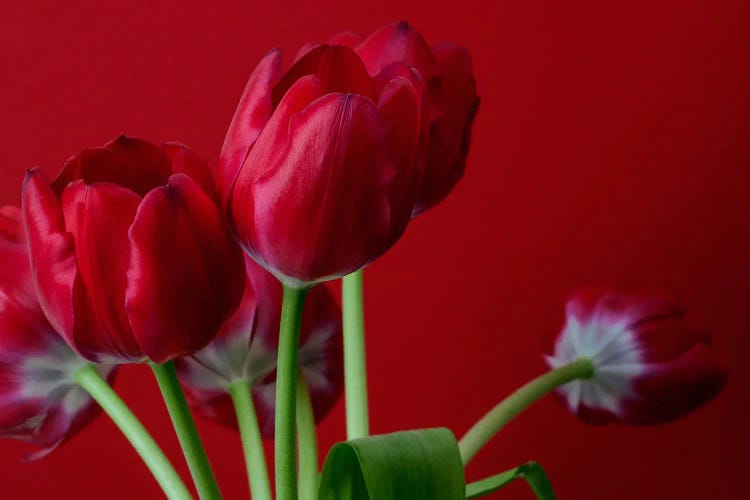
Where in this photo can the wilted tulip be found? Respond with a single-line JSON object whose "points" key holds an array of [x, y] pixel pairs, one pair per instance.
{"points": [[39, 400], [650, 365], [129, 252]]}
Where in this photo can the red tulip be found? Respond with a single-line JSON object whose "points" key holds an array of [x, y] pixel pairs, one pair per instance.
{"points": [[129, 253], [245, 349], [39, 400], [447, 73], [320, 167], [650, 365]]}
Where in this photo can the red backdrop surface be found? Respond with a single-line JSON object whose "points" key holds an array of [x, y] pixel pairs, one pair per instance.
{"points": [[611, 147]]}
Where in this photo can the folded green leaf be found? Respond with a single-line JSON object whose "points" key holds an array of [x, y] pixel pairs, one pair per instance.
{"points": [[532, 472], [413, 465]]}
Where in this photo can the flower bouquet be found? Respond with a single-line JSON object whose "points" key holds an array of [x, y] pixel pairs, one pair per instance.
{"points": [[216, 278]]}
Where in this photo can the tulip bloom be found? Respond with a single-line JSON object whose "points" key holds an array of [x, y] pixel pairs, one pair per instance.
{"points": [[650, 365], [246, 349], [39, 400], [320, 168], [446, 71], [129, 252]]}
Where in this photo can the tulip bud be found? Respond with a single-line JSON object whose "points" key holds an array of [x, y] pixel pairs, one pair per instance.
{"points": [[40, 402], [319, 171], [129, 252], [650, 365], [246, 350], [446, 71]]}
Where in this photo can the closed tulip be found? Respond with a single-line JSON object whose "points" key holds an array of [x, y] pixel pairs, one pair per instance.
{"points": [[39, 401], [650, 365], [129, 252], [321, 168], [246, 350]]}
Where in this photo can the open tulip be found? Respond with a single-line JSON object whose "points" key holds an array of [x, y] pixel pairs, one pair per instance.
{"points": [[320, 168], [129, 252], [446, 71], [39, 399], [650, 366], [246, 350]]}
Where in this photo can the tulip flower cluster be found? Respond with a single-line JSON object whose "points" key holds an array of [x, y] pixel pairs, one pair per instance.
{"points": [[140, 253]]}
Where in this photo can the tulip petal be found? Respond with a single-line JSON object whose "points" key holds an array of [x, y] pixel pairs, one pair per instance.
{"points": [[20, 313], [668, 338], [11, 224], [98, 216], [450, 135], [186, 272], [346, 38], [73, 410], [15, 276], [332, 163], [401, 106], [185, 161], [307, 47], [132, 163], [669, 390], [397, 42], [337, 67], [240, 209], [253, 111], [51, 252]]}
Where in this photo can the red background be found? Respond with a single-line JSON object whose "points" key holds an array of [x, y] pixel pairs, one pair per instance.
{"points": [[611, 146]]}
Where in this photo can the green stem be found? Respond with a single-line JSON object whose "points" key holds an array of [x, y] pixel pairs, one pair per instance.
{"points": [[307, 440], [522, 398], [286, 393], [355, 369], [252, 443], [192, 447], [92, 382]]}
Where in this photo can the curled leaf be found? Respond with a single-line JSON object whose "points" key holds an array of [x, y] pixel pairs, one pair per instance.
{"points": [[413, 465]]}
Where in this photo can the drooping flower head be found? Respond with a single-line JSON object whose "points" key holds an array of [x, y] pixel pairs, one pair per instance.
{"points": [[129, 252], [39, 400], [246, 349], [322, 164], [650, 365]]}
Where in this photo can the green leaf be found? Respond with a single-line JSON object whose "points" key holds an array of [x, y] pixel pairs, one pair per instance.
{"points": [[532, 472], [413, 465]]}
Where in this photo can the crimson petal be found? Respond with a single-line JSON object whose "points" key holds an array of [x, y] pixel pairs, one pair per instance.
{"points": [[253, 111], [132, 163], [186, 273], [51, 251], [338, 68], [185, 161], [398, 42], [331, 162], [98, 216], [672, 389], [346, 38], [401, 106], [450, 136], [11, 225]]}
